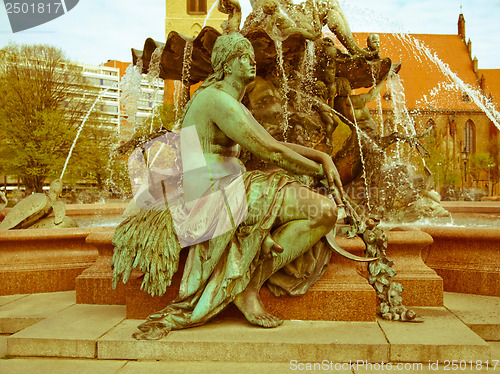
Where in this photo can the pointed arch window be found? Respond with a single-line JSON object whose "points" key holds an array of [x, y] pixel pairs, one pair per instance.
{"points": [[452, 128], [431, 127], [470, 137], [197, 6]]}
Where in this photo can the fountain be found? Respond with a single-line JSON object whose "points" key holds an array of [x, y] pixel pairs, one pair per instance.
{"points": [[278, 96], [279, 84], [280, 47]]}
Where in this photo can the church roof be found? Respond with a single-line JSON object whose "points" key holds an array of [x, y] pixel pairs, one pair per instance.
{"points": [[491, 84]]}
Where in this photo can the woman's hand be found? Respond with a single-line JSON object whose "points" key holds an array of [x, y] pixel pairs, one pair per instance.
{"points": [[330, 171]]}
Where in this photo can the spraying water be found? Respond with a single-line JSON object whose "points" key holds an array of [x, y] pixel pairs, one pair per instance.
{"points": [[380, 114], [309, 63], [477, 97], [401, 115], [154, 66], [177, 98], [153, 77], [375, 70], [209, 13], [186, 72], [181, 89], [307, 67], [81, 128], [131, 92]]}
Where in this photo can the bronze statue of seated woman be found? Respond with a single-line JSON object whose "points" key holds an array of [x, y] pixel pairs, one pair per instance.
{"points": [[271, 220]]}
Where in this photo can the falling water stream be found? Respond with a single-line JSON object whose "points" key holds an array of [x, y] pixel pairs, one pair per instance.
{"points": [[154, 66], [358, 133], [131, 91], [177, 98], [186, 73], [284, 84], [402, 119], [153, 77], [307, 67]]}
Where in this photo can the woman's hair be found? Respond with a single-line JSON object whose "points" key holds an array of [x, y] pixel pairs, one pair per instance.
{"points": [[226, 48]]}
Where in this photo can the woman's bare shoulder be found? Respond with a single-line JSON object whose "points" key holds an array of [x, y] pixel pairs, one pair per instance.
{"points": [[215, 95]]}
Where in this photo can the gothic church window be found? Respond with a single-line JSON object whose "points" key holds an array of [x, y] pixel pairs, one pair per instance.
{"points": [[197, 6], [470, 137]]}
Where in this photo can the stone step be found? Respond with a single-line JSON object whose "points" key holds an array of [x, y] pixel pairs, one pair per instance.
{"points": [[79, 366], [442, 336], [65, 366], [237, 340], [60, 366], [72, 333], [20, 311], [101, 331], [480, 313]]}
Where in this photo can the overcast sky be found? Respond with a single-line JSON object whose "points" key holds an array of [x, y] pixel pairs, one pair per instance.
{"points": [[97, 30]]}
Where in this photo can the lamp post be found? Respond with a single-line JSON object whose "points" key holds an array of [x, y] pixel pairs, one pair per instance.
{"points": [[438, 171], [490, 165], [465, 159]]}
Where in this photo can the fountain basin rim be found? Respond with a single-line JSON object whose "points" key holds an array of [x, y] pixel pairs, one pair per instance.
{"points": [[404, 236], [90, 209], [476, 233], [472, 206], [48, 234]]}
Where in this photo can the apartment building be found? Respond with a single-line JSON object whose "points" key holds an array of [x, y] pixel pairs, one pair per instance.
{"points": [[102, 83]]}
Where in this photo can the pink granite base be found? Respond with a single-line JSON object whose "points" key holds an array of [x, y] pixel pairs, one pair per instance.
{"points": [[421, 285], [93, 286], [468, 259], [45, 260], [341, 294]]}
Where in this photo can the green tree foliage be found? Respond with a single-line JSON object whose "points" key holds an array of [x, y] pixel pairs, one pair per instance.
{"points": [[480, 165], [42, 104], [441, 161], [163, 116], [482, 161]]}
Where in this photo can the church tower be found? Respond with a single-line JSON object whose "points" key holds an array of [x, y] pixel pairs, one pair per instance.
{"points": [[188, 16], [461, 26]]}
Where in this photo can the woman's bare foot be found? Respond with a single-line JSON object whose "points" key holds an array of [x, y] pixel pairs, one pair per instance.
{"points": [[249, 303]]}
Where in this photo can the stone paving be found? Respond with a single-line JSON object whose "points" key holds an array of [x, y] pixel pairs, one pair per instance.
{"points": [[49, 333]]}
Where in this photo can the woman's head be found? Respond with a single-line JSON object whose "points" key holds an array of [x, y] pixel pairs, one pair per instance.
{"points": [[227, 48]]}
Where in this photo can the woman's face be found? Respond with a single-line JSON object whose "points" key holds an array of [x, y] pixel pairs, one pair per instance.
{"points": [[243, 67]]}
